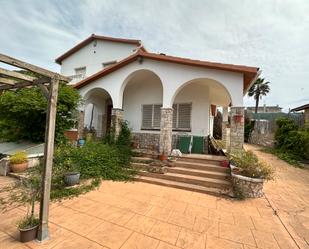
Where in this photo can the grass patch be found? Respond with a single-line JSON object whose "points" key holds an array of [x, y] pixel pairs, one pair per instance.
{"points": [[287, 157]]}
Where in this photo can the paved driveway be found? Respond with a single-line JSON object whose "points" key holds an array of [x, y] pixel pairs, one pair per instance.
{"points": [[289, 195], [144, 216]]}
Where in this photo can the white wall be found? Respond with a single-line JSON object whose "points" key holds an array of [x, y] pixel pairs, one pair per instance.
{"points": [[198, 95], [92, 56], [137, 93]]}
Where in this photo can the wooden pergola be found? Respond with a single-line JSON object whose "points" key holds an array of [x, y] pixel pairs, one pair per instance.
{"points": [[48, 82]]}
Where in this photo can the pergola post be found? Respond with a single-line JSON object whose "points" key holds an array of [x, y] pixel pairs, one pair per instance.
{"points": [[43, 232]]}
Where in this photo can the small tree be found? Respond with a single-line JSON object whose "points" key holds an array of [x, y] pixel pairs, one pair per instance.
{"points": [[257, 90]]}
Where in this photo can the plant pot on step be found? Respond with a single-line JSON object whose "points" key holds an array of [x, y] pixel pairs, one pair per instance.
{"points": [[18, 167], [71, 178], [28, 234], [163, 157]]}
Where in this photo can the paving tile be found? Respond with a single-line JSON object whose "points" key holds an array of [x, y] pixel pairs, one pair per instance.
{"points": [[198, 211], [217, 243], [57, 235], [189, 239], [267, 224], [165, 232], [80, 204], [236, 234], [181, 219], [221, 216], [207, 201], [140, 241], [178, 206], [158, 201], [243, 220], [205, 225], [141, 224], [10, 243], [265, 240], [284, 241], [110, 235], [78, 242], [163, 245], [159, 213]]}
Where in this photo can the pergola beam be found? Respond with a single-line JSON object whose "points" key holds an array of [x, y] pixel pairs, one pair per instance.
{"points": [[16, 75], [22, 84], [21, 64], [7, 81]]}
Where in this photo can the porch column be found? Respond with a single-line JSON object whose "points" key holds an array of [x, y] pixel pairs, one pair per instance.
{"points": [[237, 129], [166, 130], [116, 119], [225, 124], [80, 124]]}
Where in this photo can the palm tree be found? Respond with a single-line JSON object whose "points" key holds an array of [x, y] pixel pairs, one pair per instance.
{"points": [[257, 90]]}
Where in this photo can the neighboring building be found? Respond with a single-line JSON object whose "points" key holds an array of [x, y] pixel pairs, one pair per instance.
{"points": [[265, 109], [160, 96], [304, 108]]}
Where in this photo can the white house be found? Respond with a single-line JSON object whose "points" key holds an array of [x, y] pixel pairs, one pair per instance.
{"points": [[160, 96]]}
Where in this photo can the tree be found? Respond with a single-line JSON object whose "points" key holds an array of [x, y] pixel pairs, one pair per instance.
{"points": [[257, 90], [23, 113]]}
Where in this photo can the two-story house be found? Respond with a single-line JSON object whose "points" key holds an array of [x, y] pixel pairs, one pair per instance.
{"points": [[161, 96]]}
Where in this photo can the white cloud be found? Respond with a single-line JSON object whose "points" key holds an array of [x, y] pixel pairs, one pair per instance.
{"points": [[270, 34]]}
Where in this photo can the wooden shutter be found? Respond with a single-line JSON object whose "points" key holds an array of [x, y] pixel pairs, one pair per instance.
{"points": [[184, 116], [147, 117], [156, 116]]}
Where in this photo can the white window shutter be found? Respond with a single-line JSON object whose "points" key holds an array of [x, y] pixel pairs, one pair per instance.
{"points": [[156, 116], [184, 116], [147, 117]]}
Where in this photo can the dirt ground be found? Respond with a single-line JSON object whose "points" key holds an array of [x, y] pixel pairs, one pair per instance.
{"points": [[289, 195]]}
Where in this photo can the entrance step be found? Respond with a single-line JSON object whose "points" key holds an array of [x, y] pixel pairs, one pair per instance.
{"points": [[185, 186], [197, 180], [197, 158], [200, 166], [201, 173]]}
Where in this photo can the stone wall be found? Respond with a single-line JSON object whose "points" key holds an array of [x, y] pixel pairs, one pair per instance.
{"points": [[237, 129], [262, 133], [247, 187], [80, 124], [166, 130], [146, 140]]}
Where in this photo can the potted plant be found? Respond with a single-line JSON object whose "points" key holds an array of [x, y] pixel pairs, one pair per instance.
{"points": [[19, 162], [249, 174], [23, 192], [71, 175]]}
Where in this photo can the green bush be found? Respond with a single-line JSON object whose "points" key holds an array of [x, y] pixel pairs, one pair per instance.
{"points": [[250, 166], [292, 140], [23, 113], [94, 159]]}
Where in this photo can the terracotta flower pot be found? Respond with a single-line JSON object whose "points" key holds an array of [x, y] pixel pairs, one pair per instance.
{"points": [[163, 157], [19, 167], [28, 234]]}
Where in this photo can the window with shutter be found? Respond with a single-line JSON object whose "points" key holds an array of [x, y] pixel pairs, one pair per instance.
{"points": [[182, 116], [151, 116]]}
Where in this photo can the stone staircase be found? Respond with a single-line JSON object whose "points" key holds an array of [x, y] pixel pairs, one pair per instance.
{"points": [[200, 173]]}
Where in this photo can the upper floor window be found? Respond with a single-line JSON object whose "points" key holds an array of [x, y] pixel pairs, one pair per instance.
{"points": [[80, 73], [108, 63]]}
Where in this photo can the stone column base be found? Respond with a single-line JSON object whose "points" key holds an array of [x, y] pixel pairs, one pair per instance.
{"points": [[116, 119], [237, 129], [166, 131]]}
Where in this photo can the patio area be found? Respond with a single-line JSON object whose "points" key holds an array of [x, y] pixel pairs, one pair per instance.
{"points": [[144, 216]]}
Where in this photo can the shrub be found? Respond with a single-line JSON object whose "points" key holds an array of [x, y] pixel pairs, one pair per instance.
{"points": [[250, 166], [19, 157], [23, 113], [94, 159], [292, 140]]}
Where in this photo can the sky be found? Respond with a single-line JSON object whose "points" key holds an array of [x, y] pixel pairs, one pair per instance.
{"points": [[270, 34]]}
